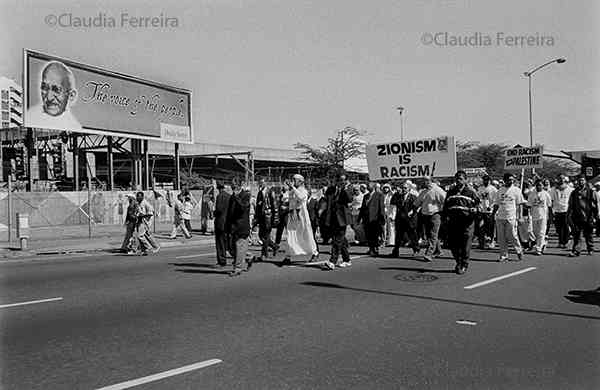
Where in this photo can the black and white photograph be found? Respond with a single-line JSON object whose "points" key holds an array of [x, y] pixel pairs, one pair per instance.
{"points": [[299, 195]]}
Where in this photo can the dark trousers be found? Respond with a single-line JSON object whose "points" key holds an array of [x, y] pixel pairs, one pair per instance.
{"points": [[280, 227], [585, 228], [432, 224], [188, 225], [403, 228], [315, 225], [562, 228], [373, 235], [222, 243], [486, 227], [460, 239], [264, 233], [339, 244]]}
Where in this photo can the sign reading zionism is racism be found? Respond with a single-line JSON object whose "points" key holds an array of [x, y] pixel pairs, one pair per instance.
{"points": [[412, 159], [524, 158]]}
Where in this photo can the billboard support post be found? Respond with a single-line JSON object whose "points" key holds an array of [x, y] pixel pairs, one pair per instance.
{"points": [[111, 167], [9, 204], [75, 163], [146, 167], [177, 178]]}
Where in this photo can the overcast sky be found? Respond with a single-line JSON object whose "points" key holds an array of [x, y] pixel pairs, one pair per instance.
{"points": [[271, 73]]}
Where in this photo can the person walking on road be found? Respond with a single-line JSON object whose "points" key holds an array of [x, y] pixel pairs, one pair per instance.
{"points": [[487, 195], [460, 211], [238, 226], [406, 219], [336, 219], [300, 240], [560, 204], [539, 202], [146, 213], [508, 211], [373, 218], [582, 212], [431, 202], [131, 218], [177, 205], [263, 217], [221, 235]]}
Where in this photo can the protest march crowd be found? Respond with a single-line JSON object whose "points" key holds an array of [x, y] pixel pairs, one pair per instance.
{"points": [[498, 213]]}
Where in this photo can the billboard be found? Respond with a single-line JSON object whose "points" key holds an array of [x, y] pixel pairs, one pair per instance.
{"points": [[412, 159], [64, 95], [524, 157]]}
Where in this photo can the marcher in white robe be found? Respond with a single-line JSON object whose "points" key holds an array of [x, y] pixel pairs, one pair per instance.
{"points": [[300, 239], [390, 216]]}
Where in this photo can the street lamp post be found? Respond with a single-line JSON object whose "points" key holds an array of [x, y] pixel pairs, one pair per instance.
{"points": [[400, 111], [528, 75]]}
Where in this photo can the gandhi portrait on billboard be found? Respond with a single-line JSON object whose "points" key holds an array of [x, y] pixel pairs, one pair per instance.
{"points": [[58, 93]]}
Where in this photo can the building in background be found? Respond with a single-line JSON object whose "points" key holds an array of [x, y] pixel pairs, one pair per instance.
{"points": [[11, 103]]}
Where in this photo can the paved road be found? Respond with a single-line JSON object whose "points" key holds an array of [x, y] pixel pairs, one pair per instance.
{"points": [[381, 324]]}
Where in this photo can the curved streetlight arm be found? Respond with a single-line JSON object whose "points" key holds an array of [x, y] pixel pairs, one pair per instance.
{"points": [[531, 72]]}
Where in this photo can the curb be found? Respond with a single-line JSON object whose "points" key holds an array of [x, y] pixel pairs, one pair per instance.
{"points": [[15, 253]]}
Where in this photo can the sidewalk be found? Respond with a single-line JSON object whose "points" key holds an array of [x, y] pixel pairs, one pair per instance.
{"points": [[75, 239]]}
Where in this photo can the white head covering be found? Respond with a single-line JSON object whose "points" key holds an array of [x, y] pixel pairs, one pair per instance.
{"points": [[298, 176]]}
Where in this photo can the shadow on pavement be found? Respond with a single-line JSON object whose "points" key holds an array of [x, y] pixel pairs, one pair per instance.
{"points": [[204, 271], [455, 301], [589, 297], [441, 271], [194, 265]]}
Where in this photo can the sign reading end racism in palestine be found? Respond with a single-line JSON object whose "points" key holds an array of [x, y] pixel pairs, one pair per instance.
{"points": [[412, 159], [524, 158]]}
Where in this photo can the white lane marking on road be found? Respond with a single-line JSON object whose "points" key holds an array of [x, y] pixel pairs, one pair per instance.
{"points": [[198, 255], [161, 375], [31, 302], [499, 278], [465, 322]]}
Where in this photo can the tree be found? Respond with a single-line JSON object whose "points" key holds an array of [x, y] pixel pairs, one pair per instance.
{"points": [[348, 143], [475, 155]]}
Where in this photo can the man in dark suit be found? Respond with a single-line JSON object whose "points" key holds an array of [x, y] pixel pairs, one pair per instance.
{"points": [[263, 217], [406, 219], [220, 214], [373, 217], [336, 219], [238, 225]]}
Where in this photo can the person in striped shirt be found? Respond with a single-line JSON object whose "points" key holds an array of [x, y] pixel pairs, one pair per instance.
{"points": [[460, 210]]}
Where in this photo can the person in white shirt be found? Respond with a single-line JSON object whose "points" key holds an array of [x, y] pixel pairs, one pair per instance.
{"points": [[487, 195], [539, 201], [507, 209], [146, 213], [597, 188], [178, 222], [431, 202], [560, 203]]}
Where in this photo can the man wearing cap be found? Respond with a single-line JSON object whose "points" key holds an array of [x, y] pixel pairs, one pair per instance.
{"points": [[460, 210], [582, 212], [508, 210]]}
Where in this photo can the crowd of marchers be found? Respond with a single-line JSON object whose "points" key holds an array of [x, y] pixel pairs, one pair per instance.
{"points": [[499, 213]]}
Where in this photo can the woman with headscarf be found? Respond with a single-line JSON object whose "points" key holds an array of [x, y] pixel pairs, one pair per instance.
{"points": [[300, 239]]}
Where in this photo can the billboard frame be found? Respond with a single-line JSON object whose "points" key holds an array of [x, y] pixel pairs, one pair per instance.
{"points": [[86, 67]]}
